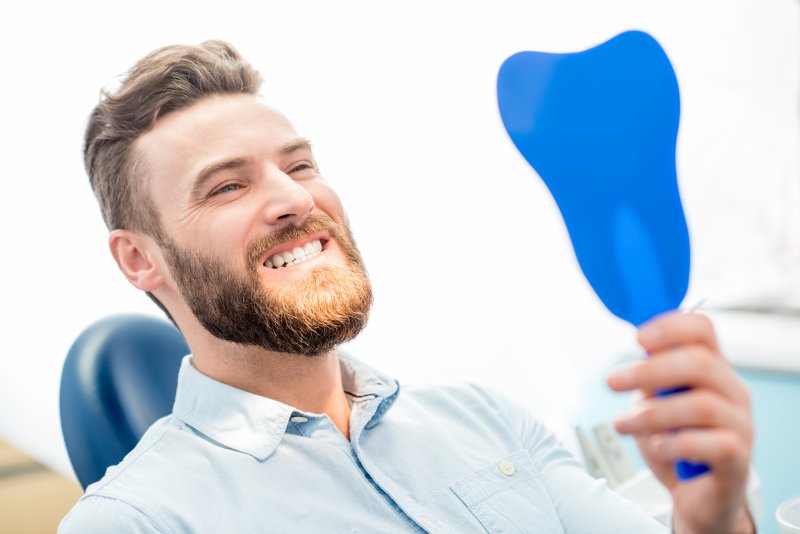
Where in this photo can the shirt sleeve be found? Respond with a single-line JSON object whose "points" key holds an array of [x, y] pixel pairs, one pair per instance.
{"points": [[584, 504], [95, 514]]}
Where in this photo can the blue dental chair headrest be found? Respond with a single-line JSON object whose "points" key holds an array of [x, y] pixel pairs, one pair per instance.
{"points": [[119, 377]]}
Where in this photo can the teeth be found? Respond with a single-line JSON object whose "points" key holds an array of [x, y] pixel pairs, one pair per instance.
{"points": [[295, 256]]}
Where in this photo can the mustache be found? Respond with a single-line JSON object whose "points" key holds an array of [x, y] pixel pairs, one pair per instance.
{"points": [[316, 222]]}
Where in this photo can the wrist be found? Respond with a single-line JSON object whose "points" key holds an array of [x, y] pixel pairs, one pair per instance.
{"points": [[744, 523], [741, 523]]}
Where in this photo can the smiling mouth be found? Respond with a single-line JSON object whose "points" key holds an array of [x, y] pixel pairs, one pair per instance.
{"points": [[296, 255]]}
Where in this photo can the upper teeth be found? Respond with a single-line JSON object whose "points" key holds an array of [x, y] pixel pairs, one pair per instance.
{"points": [[294, 256]]}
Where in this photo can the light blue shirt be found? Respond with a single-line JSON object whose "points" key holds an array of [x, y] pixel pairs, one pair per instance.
{"points": [[445, 459]]}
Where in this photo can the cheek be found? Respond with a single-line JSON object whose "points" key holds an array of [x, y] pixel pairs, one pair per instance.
{"points": [[223, 236], [326, 199]]}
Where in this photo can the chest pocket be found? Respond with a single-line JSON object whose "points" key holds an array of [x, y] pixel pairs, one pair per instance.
{"points": [[508, 496]]}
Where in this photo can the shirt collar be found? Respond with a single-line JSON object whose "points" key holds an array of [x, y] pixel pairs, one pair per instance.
{"points": [[253, 424]]}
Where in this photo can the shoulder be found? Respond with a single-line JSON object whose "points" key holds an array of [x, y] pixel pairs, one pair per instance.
{"points": [[98, 514], [126, 498], [145, 458]]}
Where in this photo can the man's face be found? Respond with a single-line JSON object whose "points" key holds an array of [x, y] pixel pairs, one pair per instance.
{"points": [[237, 190]]}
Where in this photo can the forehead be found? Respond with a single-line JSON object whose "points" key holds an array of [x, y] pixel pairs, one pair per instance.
{"points": [[217, 127]]}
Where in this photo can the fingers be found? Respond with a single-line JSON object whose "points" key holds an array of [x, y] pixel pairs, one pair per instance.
{"points": [[696, 408], [672, 329], [694, 366], [724, 450], [711, 423]]}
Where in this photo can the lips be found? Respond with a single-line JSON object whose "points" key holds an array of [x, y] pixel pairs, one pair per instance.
{"points": [[286, 245]]}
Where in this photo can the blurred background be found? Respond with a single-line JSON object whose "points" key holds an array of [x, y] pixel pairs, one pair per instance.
{"points": [[473, 272]]}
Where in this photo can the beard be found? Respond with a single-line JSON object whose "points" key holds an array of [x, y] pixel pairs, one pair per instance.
{"points": [[328, 306]]}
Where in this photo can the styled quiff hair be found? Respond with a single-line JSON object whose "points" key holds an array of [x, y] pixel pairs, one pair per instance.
{"points": [[169, 79]]}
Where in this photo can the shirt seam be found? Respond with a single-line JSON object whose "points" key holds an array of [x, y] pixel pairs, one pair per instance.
{"points": [[159, 524], [104, 486]]}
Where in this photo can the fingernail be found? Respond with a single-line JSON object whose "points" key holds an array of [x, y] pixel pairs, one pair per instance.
{"points": [[650, 334], [620, 379], [622, 424]]}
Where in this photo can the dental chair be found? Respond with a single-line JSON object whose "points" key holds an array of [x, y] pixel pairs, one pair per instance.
{"points": [[119, 377]]}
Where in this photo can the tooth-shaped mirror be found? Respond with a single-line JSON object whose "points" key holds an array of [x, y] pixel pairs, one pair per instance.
{"points": [[599, 127]]}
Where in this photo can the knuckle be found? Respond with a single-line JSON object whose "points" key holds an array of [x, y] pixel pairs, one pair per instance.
{"points": [[681, 363], [744, 427], [702, 358], [690, 363], [703, 323], [708, 408], [744, 396], [748, 434], [729, 448]]}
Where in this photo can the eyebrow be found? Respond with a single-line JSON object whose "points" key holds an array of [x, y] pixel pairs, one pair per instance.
{"points": [[301, 143], [236, 162], [213, 168]]}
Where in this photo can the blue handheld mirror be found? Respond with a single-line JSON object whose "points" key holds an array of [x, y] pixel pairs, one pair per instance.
{"points": [[600, 127]]}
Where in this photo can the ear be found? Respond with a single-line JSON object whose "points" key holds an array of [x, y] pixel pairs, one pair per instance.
{"points": [[136, 257]]}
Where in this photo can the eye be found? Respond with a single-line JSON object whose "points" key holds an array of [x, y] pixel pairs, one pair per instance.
{"points": [[225, 189], [301, 167]]}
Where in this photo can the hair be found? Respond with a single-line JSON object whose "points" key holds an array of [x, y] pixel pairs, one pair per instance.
{"points": [[166, 80]]}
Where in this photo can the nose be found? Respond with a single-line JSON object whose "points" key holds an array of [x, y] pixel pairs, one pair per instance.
{"points": [[285, 200]]}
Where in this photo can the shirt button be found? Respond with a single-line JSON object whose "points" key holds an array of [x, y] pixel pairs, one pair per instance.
{"points": [[427, 523], [299, 419], [507, 467]]}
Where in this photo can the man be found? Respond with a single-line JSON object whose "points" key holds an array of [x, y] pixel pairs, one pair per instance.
{"points": [[218, 210]]}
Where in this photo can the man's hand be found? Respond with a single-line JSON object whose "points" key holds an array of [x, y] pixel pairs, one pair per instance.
{"points": [[709, 424]]}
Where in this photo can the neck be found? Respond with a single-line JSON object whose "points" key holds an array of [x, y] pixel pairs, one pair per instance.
{"points": [[308, 383]]}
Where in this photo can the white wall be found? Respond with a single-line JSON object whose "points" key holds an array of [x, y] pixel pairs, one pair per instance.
{"points": [[399, 99]]}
